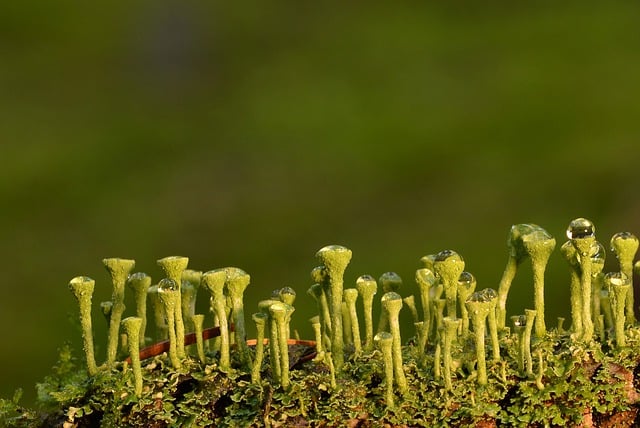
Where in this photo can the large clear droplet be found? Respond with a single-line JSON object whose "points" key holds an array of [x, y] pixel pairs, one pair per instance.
{"points": [[489, 294], [519, 320], [616, 278], [447, 254], [580, 228], [167, 284], [466, 279]]}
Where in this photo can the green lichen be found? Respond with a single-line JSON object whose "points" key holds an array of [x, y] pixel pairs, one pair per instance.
{"points": [[442, 377]]}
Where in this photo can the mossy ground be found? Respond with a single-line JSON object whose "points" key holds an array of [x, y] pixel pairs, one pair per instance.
{"points": [[582, 385]]}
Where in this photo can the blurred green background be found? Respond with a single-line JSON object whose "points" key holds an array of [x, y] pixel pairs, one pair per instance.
{"points": [[253, 133]]}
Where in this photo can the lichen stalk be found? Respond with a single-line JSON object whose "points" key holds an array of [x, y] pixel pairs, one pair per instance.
{"points": [[448, 266], [539, 245], [168, 295], [570, 254], [385, 344], [336, 258], [132, 326], [236, 284], [367, 288], [530, 315], [173, 267], [350, 297], [215, 281], [346, 326], [618, 284], [198, 321], [317, 332], [281, 313], [625, 246], [425, 279], [451, 326], [119, 270], [466, 287], [188, 294], [392, 304], [479, 309], [519, 323], [160, 321], [139, 283], [390, 281], [260, 319], [82, 288]]}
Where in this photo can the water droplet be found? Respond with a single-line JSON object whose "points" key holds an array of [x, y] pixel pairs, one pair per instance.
{"points": [[287, 295], [390, 281], [167, 284], [616, 278], [138, 276], [597, 252], [622, 238], [446, 255], [467, 281], [486, 295], [519, 320], [489, 293], [366, 281], [580, 228]]}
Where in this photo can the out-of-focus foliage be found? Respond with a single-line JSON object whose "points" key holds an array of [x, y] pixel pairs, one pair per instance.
{"points": [[253, 134]]}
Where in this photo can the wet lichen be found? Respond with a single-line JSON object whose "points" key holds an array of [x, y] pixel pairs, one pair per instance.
{"points": [[588, 375]]}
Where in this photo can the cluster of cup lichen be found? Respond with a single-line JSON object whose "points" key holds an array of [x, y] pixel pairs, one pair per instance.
{"points": [[451, 329]]}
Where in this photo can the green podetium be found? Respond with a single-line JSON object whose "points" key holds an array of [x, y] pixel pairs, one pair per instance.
{"points": [[132, 326], [390, 281], [317, 331], [618, 284], [367, 288], [392, 304], [260, 318], [384, 340], [82, 288], [517, 254], [173, 268], [581, 233], [119, 270], [214, 281], [570, 254], [539, 245], [317, 292], [188, 294], [530, 316], [625, 246], [139, 282], [168, 295], [281, 313], [466, 287], [336, 258], [519, 325], [448, 266], [451, 327], [491, 295], [162, 329], [479, 308], [272, 328], [350, 297], [236, 283], [198, 322], [425, 280]]}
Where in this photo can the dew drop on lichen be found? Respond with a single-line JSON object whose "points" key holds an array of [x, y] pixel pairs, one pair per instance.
{"points": [[167, 285], [616, 278], [466, 278], [580, 228]]}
